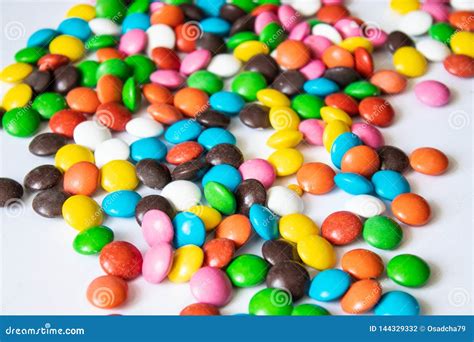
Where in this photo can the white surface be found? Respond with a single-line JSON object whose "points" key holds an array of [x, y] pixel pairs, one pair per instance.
{"points": [[41, 273]]}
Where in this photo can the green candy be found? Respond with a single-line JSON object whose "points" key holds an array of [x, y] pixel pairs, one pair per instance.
{"points": [[92, 240], [248, 83], [30, 55], [264, 2], [142, 67], [88, 73], [408, 270], [99, 42], [442, 32], [21, 122], [382, 232], [131, 94], [307, 106], [240, 38], [220, 198], [362, 89], [272, 35], [247, 5], [309, 310], [313, 22], [178, 2], [247, 270], [114, 10], [206, 81], [139, 6], [271, 302], [48, 104], [115, 67]]}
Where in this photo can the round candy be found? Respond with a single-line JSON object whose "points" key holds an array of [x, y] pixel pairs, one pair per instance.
{"points": [[409, 62], [329, 285], [42, 177], [382, 232], [291, 276], [411, 209], [113, 116], [91, 134], [92, 240], [200, 309], [461, 43], [247, 270], [432, 93], [46, 144], [121, 259], [82, 212], [236, 228], [148, 148], [365, 205], [213, 136], [189, 229], [157, 262], [209, 216], [316, 178], [433, 50], [362, 264], [275, 251], [459, 65], [294, 227], [271, 302], [15, 72], [429, 161], [187, 260], [225, 154], [82, 178], [316, 252], [312, 130], [157, 227], [70, 154], [341, 145], [118, 175], [369, 134], [353, 183], [392, 158], [264, 222], [183, 130], [376, 111], [65, 121], [107, 292], [389, 184], [362, 296], [292, 54], [224, 174], [210, 285], [273, 98], [17, 96], [363, 160], [397, 303], [258, 169], [182, 194], [408, 270], [332, 131], [389, 81], [121, 203], [307, 106], [68, 46], [47, 104], [321, 87], [112, 149], [283, 201], [286, 161], [416, 23], [144, 128], [21, 122], [341, 228], [49, 203], [11, 191], [218, 252]]}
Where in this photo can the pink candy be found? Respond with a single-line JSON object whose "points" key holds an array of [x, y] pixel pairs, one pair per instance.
{"points": [[263, 19], [439, 11], [312, 130], [168, 78], [313, 69], [300, 31], [289, 17], [157, 227], [432, 93], [375, 34], [317, 44], [133, 42], [195, 61], [157, 263], [210, 285], [260, 170], [348, 28], [369, 134]]}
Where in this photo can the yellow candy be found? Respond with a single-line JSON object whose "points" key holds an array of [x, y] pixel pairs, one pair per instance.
{"points": [[332, 130], [18, 96], [285, 138], [71, 154], [296, 188], [82, 212], [15, 72], [286, 161], [273, 98], [404, 6], [83, 11], [329, 114], [210, 216], [68, 46], [186, 261], [462, 43], [295, 227], [118, 175], [352, 43], [284, 118], [248, 49], [316, 252], [409, 61]]}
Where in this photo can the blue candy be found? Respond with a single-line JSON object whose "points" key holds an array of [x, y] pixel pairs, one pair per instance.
{"points": [[76, 27], [341, 145], [227, 102], [321, 87], [210, 7], [121, 203], [42, 37], [151, 148], [188, 230], [264, 222], [136, 21], [216, 26], [183, 130], [225, 174], [329, 285], [397, 303], [353, 183], [215, 136], [389, 184]]}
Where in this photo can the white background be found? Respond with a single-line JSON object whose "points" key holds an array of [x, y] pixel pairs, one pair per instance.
{"points": [[42, 274]]}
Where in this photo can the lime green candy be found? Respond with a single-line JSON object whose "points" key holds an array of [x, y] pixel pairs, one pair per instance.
{"points": [[48, 104], [100, 42], [220, 198], [88, 73], [138, 6], [408, 270], [313, 22], [247, 270], [248, 83], [92, 240], [178, 2], [21, 122], [131, 94], [442, 32], [272, 35], [115, 67], [246, 5], [30, 55], [264, 2], [309, 310], [111, 9], [271, 302], [240, 38], [142, 67], [362, 89], [382, 232], [307, 106], [206, 81]]}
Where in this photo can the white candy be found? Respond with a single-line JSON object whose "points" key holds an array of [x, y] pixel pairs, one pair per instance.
{"points": [[182, 194], [91, 134], [102, 26], [327, 31], [112, 149], [144, 128], [283, 201], [224, 65], [462, 5], [415, 23], [365, 206], [160, 35], [306, 7], [433, 50]]}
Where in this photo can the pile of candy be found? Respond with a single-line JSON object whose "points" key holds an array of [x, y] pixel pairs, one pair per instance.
{"points": [[305, 70]]}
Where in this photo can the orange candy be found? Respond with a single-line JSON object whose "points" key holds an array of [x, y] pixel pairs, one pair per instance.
{"points": [[389, 81], [169, 15], [292, 54], [316, 178], [83, 100], [184, 152], [363, 160], [164, 113], [109, 89], [376, 111], [362, 296], [191, 101], [186, 36], [82, 179], [429, 161], [236, 228], [462, 20], [336, 56], [411, 209], [107, 292], [218, 252], [105, 54], [200, 309], [157, 94], [165, 58], [332, 13], [362, 264]]}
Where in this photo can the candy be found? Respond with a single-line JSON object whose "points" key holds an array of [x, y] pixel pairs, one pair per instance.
{"points": [[291, 276], [153, 202], [121, 203], [461, 43], [218, 252], [329, 114], [111, 149], [312, 130], [187, 260], [341, 145], [182, 194], [362, 296], [107, 292], [49, 203], [459, 65], [70, 154], [211, 286], [276, 251], [200, 309], [365, 205], [82, 178], [15, 72], [316, 252], [157, 262], [409, 62], [184, 152], [11, 191], [191, 101], [408, 270], [432, 93], [42, 177], [433, 50], [121, 259], [341, 228], [397, 303], [236, 228], [286, 161], [225, 154], [148, 148], [369, 134], [271, 302], [247, 270], [415, 23], [248, 83], [93, 240], [429, 161], [329, 285], [157, 227], [17, 96], [82, 212], [255, 116], [220, 198], [389, 81], [285, 138], [21, 122], [353, 183], [411, 209], [376, 111], [223, 174], [283, 201], [382, 232], [315, 178]]}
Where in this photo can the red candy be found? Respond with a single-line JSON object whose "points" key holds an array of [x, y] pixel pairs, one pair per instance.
{"points": [[332, 13], [364, 63], [165, 58], [343, 102], [218, 252], [376, 111], [64, 122], [184, 152], [341, 228], [52, 62], [113, 115], [121, 259], [459, 65], [200, 309]]}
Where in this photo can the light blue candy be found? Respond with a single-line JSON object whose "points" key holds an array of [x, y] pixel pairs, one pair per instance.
{"points": [[214, 136], [139, 21], [183, 130], [216, 26], [42, 37], [76, 27], [148, 148], [210, 7], [225, 174], [389, 184], [397, 303], [321, 87], [264, 222], [121, 203], [227, 102], [188, 230], [341, 145], [329, 285], [353, 183]]}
